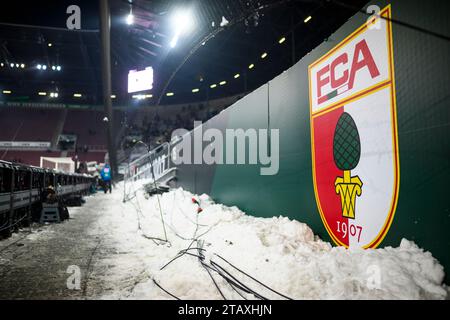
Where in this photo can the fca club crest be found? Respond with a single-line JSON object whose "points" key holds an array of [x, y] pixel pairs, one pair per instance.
{"points": [[354, 135], [347, 151]]}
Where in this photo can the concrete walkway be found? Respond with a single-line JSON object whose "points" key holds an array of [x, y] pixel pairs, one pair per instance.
{"points": [[34, 265]]}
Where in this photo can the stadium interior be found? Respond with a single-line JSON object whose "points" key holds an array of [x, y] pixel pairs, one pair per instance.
{"points": [[225, 149], [207, 71]]}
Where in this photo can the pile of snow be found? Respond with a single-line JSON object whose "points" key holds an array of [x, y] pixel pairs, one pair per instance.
{"points": [[283, 254]]}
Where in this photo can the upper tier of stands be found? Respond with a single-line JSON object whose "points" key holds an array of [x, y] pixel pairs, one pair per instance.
{"points": [[154, 124]]}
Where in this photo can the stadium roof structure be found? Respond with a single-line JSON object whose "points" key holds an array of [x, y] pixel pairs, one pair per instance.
{"points": [[234, 46]]}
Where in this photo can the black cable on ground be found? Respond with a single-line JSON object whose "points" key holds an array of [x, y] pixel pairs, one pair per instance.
{"points": [[237, 291], [214, 281], [201, 258], [236, 282], [265, 286], [231, 280], [159, 286], [236, 286], [179, 255]]}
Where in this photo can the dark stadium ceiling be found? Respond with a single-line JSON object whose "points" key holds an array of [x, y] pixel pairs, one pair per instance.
{"points": [[36, 34]]}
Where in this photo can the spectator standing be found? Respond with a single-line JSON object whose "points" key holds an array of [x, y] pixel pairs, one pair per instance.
{"points": [[106, 178]]}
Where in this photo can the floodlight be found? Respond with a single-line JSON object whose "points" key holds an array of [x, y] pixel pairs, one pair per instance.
{"points": [[182, 21], [130, 19], [174, 41]]}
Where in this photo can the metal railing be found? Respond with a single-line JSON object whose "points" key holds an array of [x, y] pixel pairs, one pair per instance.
{"points": [[152, 165]]}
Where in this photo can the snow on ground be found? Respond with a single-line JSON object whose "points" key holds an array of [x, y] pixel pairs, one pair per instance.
{"points": [[283, 254]]}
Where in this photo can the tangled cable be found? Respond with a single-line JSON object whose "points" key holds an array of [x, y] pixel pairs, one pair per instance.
{"points": [[238, 286], [213, 268]]}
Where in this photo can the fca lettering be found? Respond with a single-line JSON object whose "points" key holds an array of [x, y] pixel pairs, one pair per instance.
{"points": [[327, 75]]}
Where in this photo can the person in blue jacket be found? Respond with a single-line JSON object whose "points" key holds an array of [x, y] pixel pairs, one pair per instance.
{"points": [[105, 174]]}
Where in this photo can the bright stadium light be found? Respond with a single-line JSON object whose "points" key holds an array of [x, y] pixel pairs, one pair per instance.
{"points": [[264, 55], [58, 68], [7, 91], [44, 67], [42, 93], [50, 44], [182, 22], [213, 86], [17, 65], [307, 19], [113, 96], [169, 94], [174, 41], [39, 66], [222, 83], [138, 96], [130, 19], [195, 90], [282, 40], [53, 68], [77, 95], [22, 65], [237, 75], [251, 66], [12, 65]]}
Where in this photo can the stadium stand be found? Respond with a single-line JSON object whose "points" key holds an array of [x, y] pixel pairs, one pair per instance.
{"points": [[88, 126], [25, 124], [151, 124]]}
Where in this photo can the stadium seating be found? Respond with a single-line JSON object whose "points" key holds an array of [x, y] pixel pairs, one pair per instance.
{"points": [[26, 124], [87, 125], [153, 124]]}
